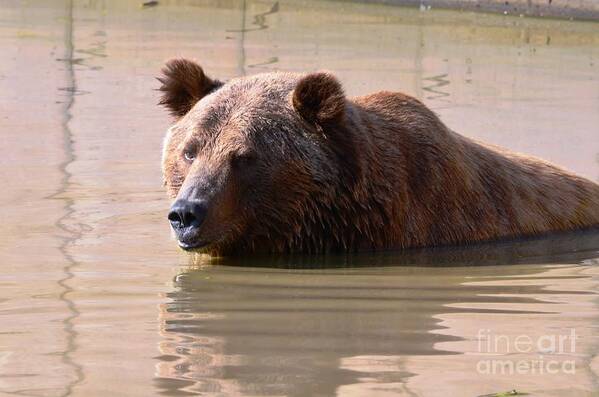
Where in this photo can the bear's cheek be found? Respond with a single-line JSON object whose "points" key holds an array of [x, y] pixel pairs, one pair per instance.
{"points": [[225, 220], [174, 175]]}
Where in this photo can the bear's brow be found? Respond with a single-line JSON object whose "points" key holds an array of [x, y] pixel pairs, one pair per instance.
{"points": [[216, 117], [211, 121]]}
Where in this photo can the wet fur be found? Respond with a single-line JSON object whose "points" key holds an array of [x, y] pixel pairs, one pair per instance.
{"points": [[336, 174]]}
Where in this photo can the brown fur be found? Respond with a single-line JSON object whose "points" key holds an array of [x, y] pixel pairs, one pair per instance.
{"points": [[287, 163], [183, 84]]}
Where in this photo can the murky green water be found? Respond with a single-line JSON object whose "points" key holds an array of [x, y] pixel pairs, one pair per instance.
{"points": [[96, 300]]}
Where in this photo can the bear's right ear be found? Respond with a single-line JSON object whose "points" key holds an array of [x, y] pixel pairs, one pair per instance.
{"points": [[183, 85]]}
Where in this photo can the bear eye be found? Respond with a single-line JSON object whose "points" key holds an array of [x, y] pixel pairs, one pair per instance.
{"points": [[241, 160], [190, 155]]}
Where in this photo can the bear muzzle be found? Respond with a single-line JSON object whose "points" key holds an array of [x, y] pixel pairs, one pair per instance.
{"points": [[186, 217]]}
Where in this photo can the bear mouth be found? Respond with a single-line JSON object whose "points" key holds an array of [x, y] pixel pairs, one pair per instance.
{"points": [[192, 246]]}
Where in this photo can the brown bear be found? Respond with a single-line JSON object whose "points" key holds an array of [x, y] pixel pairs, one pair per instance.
{"points": [[286, 163]]}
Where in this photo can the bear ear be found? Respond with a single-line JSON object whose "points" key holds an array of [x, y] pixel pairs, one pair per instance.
{"points": [[319, 98], [183, 85]]}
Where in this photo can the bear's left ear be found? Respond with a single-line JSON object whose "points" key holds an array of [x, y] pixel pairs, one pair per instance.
{"points": [[184, 83], [319, 98]]}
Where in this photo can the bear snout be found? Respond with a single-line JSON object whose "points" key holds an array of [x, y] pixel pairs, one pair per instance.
{"points": [[186, 218]]}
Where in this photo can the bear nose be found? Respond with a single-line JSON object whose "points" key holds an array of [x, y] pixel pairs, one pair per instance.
{"points": [[185, 213]]}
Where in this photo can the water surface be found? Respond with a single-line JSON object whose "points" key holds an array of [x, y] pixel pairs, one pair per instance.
{"points": [[96, 300]]}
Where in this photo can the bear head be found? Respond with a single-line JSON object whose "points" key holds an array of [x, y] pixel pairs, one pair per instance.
{"points": [[259, 163]]}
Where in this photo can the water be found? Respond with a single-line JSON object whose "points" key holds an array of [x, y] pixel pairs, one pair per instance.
{"points": [[96, 300]]}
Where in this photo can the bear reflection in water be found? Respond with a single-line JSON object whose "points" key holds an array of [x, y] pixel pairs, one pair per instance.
{"points": [[307, 326]]}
